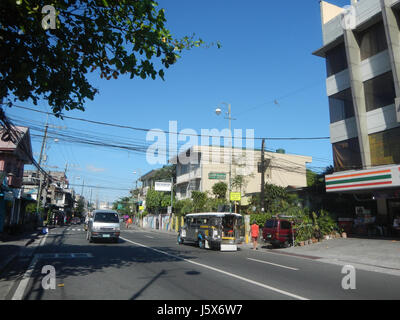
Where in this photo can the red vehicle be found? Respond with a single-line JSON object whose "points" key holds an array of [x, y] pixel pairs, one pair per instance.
{"points": [[279, 232]]}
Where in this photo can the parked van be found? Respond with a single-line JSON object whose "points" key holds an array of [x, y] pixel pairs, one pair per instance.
{"points": [[279, 232], [103, 224]]}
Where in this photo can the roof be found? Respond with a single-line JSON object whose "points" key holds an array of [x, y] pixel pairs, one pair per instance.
{"points": [[218, 214], [147, 175], [22, 147]]}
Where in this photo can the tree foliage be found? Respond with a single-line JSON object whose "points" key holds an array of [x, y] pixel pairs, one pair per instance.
{"points": [[123, 205], [153, 201], [219, 190], [199, 200], [80, 208], [114, 37], [276, 199]]}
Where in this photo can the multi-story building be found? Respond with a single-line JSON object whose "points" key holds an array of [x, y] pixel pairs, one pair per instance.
{"points": [[361, 45], [55, 195], [14, 155], [200, 167]]}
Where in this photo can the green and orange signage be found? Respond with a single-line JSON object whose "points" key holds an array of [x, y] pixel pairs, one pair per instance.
{"points": [[383, 177]]}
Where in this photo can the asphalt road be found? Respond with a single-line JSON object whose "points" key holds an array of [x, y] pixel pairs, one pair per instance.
{"points": [[152, 266]]}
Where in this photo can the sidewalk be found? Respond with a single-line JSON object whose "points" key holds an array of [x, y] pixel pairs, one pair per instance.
{"points": [[378, 255], [13, 246]]}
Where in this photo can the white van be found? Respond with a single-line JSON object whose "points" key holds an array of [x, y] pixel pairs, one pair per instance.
{"points": [[104, 224]]}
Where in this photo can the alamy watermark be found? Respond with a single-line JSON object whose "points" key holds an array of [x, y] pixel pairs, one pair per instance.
{"points": [[217, 146], [49, 280], [349, 280], [49, 20]]}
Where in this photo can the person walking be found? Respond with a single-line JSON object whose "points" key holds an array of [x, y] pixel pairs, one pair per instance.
{"points": [[255, 232], [128, 222]]}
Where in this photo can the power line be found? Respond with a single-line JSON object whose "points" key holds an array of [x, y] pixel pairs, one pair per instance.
{"points": [[161, 131]]}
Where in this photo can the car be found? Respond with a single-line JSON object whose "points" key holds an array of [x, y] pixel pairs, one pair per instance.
{"points": [[278, 232], [75, 220], [104, 224]]}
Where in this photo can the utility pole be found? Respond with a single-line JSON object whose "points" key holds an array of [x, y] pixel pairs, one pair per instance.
{"points": [[83, 184], [90, 197], [172, 191], [229, 117], [262, 198], [40, 162]]}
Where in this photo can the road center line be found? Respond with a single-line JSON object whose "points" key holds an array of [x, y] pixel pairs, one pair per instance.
{"points": [[222, 271], [149, 237], [274, 264]]}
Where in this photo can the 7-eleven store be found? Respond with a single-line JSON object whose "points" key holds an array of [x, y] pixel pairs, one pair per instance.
{"points": [[378, 192]]}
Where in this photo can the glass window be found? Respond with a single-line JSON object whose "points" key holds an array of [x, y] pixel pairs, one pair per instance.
{"points": [[336, 60], [270, 224], [347, 155], [379, 91], [285, 225], [385, 147], [372, 41], [341, 106], [106, 217]]}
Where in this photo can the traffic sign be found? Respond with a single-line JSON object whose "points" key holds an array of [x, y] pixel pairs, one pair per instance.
{"points": [[235, 196]]}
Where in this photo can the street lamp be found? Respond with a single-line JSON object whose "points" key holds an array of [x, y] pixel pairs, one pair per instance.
{"points": [[218, 112]]}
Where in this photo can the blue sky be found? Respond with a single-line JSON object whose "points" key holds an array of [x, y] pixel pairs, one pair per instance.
{"points": [[266, 56]]}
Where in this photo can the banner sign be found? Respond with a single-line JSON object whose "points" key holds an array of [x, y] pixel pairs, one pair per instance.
{"points": [[163, 186]]}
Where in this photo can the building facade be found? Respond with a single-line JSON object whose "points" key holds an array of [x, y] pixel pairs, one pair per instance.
{"points": [[14, 155], [56, 195], [361, 46], [200, 167]]}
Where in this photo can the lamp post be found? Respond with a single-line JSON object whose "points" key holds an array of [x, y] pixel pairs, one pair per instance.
{"points": [[218, 111]]}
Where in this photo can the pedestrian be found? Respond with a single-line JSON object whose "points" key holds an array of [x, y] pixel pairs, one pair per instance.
{"points": [[255, 232]]}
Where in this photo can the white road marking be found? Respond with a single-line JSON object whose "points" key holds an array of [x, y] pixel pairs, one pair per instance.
{"points": [[222, 271], [273, 264], [149, 237], [19, 293]]}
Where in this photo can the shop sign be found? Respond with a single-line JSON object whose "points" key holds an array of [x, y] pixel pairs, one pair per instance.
{"points": [[378, 178]]}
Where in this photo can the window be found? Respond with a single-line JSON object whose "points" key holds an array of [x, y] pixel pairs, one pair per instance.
{"points": [[106, 217], [270, 224], [372, 41], [379, 91], [385, 147], [285, 225], [336, 60], [347, 155], [341, 106]]}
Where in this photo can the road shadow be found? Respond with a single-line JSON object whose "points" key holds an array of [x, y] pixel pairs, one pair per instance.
{"points": [[103, 256]]}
